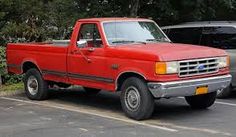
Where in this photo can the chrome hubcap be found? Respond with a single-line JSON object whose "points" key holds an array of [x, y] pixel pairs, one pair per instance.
{"points": [[219, 91], [132, 98], [32, 85]]}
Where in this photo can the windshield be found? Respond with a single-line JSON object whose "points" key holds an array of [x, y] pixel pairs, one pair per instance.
{"points": [[118, 33]]}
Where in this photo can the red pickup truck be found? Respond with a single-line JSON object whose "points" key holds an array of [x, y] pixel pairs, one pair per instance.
{"points": [[130, 55]]}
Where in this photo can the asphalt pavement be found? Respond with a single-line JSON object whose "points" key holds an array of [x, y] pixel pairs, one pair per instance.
{"points": [[72, 113]]}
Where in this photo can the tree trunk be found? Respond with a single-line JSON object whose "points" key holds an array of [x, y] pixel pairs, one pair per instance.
{"points": [[134, 8]]}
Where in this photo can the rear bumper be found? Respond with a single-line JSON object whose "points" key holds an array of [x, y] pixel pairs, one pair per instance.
{"points": [[188, 87]]}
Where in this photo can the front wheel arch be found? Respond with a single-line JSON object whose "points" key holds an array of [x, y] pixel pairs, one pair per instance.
{"points": [[125, 75]]}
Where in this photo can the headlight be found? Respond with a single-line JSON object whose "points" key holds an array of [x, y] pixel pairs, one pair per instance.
{"points": [[223, 62], [167, 67]]}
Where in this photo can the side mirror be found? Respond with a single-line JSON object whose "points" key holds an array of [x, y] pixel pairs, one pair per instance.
{"points": [[81, 43]]}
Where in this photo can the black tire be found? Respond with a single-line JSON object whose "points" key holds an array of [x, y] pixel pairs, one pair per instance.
{"points": [[36, 89], [91, 91], [145, 100], [225, 93], [201, 101]]}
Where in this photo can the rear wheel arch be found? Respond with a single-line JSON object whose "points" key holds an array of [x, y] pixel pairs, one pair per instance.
{"points": [[27, 65], [125, 75]]}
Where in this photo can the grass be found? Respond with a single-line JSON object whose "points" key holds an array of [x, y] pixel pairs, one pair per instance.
{"points": [[11, 87]]}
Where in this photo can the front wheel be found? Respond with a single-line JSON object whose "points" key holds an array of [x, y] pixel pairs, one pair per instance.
{"points": [[224, 93], [201, 101], [136, 100], [35, 87]]}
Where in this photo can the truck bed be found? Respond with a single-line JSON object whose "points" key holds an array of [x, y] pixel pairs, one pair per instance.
{"points": [[38, 53]]}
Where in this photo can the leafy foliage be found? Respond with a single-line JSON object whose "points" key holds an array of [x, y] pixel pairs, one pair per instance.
{"points": [[7, 79], [12, 87], [2, 60]]}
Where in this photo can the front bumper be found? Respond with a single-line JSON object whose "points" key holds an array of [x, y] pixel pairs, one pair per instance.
{"points": [[188, 87]]}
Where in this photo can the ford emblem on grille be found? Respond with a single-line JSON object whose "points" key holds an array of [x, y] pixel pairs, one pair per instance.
{"points": [[200, 67]]}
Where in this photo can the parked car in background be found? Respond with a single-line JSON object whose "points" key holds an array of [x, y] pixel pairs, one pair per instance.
{"points": [[216, 34]]}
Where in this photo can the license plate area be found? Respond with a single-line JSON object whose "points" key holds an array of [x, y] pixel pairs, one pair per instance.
{"points": [[201, 90]]}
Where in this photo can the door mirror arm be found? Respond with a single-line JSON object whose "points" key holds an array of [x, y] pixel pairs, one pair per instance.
{"points": [[81, 44], [84, 56]]}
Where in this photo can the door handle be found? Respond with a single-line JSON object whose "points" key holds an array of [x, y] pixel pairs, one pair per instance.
{"points": [[74, 52], [82, 54], [91, 49]]}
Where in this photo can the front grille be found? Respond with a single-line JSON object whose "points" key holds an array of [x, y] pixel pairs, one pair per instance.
{"points": [[198, 67]]}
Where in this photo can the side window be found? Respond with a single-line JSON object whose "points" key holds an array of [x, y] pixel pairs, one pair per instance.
{"points": [[90, 33], [185, 35], [219, 37]]}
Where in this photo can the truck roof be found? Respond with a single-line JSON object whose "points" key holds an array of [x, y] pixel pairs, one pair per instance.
{"points": [[113, 19]]}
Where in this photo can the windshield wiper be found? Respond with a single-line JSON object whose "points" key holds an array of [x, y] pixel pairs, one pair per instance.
{"points": [[158, 40], [128, 41]]}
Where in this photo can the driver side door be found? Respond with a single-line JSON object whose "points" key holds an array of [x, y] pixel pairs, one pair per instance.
{"points": [[87, 63]]}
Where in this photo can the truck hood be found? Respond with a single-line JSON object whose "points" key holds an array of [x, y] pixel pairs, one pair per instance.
{"points": [[167, 51]]}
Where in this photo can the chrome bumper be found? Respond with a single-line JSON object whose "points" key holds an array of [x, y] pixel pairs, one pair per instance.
{"points": [[188, 87]]}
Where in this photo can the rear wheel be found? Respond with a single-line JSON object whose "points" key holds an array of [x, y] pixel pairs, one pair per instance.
{"points": [[136, 100], [35, 87], [201, 101], [91, 91]]}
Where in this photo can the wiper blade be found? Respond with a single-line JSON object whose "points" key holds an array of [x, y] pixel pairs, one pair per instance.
{"points": [[152, 40], [122, 41], [128, 41], [158, 40]]}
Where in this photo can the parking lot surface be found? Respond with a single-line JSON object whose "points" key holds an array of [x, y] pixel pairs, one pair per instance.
{"points": [[71, 113]]}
